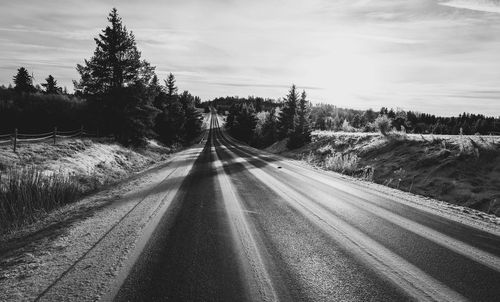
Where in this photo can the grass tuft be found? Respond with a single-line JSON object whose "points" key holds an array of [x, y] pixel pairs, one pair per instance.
{"points": [[337, 162], [27, 192]]}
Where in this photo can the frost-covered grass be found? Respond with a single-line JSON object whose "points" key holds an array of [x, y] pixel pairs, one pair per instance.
{"points": [[27, 192], [42, 177], [460, 169], [495, 139], [343, 163], [334, 161]]}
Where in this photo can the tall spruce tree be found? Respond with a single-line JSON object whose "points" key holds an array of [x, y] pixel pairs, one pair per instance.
{"points": [[155, 84], [269, 129], [116, 81], [244, 123], [170, 122], [170, 84], [23, 81], [287, 116], [116, 62], [301, 134], [192, 118], [50, 85]]}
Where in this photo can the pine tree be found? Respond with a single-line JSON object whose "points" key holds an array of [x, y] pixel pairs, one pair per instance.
{"points": [[50, 85], [244, 123], [233, 111], [170, 84], [269, 129], [155, 84], [302, 132], [370, 115], [116, 82], [133, 114], [23, 81], [170, 121], [192, 118], [116, 62], [157, 91], [304, 117], [287, 117], [356, 121]]}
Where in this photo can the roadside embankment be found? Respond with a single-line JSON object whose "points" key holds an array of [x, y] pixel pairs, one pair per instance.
{"points": [[462, 170], [39, 178]]}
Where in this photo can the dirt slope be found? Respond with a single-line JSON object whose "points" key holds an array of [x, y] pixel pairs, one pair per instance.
{"points": [[463, 170]]}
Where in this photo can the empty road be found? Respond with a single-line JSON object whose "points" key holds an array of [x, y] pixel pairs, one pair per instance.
{"points": [[249, 226]]}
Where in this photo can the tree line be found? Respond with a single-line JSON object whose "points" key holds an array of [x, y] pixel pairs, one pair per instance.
{"points": [[118, 95], [261, 122], [330, 117]]}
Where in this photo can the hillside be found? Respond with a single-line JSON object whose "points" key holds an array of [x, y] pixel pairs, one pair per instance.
{"points": [[54, 175], [462, 170], [104, 160]]}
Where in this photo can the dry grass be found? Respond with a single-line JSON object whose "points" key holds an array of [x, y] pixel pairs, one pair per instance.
{"points": [[343, 163], [327, 159], [26, 193], [42, 177]]}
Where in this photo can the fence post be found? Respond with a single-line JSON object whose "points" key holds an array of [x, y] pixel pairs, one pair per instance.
{"points": [[55, 134], [15, 140]]}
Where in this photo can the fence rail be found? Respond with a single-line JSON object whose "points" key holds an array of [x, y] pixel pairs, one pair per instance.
{"points": [[16, 138]]}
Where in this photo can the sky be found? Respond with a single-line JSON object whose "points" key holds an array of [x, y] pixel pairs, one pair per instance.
{"points": [[434, 56]]}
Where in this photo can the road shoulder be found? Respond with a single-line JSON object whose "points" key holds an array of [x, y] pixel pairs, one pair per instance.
{"points": [[81, 254]]}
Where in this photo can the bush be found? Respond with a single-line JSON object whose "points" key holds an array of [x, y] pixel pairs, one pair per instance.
{"points": [[27, 192], [383, 124], [337, 162]]}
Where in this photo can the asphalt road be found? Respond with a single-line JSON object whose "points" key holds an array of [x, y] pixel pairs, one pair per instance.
{"points": [[248, 226]]}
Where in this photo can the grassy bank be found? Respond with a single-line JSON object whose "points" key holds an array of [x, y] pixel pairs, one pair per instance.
{"points": [[42, 177], [463, 170]]}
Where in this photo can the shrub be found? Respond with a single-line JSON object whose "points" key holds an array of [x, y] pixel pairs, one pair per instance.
{"points": [[368, 173], [310, 158], [337, 162], [26, 192], [383, 124], [325, 150]]}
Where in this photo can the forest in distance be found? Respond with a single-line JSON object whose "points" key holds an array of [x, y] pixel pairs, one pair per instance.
{"points": [[325, 116], [120, 95]]}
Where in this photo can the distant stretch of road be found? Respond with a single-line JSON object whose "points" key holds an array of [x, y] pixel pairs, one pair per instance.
{"points": [[250, 226]]}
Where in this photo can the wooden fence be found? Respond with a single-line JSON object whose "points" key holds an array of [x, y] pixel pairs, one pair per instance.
{"points": [[16, 138]]}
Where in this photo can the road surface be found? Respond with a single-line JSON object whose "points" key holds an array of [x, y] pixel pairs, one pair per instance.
{"points": [[249, 226]]}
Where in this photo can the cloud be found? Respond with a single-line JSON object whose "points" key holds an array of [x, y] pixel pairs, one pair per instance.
{"points": [[423, 54], [490, 6]]}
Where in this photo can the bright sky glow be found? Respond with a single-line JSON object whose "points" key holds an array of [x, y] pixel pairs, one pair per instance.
{"points": [[427, 55]]}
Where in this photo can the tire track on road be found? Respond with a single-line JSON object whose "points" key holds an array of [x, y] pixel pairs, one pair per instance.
{"points": [[260, 284]]}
